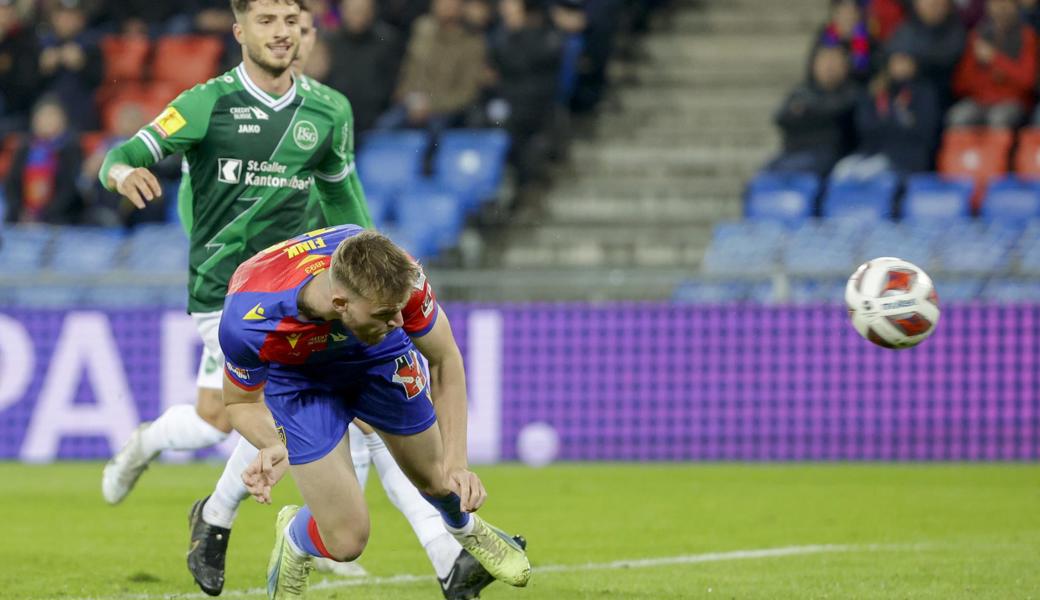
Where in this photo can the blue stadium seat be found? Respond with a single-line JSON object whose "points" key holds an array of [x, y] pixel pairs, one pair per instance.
{"points": [[389, 161], [24, 249], [471, 162], [420, 242], [866, 200], [786, 198], [1029, 249], [744, 248], [434, 207], [821, 249], [158, 250], [707, 291], [957, 290], [380, 207], [47, 296], [1011, 202], [86, 250], [817, 290], [974, 248], [934, 198], [910, 241], [1012, 291], [120, 296]]}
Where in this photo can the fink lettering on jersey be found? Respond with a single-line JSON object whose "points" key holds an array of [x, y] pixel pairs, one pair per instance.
{"points": [[248, 128], [301, 247]]}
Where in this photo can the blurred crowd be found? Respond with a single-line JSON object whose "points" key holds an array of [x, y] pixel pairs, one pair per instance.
{"points": [[886, 78], [79, 76]]}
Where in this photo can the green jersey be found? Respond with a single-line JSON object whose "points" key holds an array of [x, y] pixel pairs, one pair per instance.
{"points": [[251, 162]]}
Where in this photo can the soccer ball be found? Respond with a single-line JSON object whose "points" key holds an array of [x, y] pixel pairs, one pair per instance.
{"points": [[892, 303]]}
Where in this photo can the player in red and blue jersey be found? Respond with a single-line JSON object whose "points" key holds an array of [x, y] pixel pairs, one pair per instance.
{"points": [[332, 326]]}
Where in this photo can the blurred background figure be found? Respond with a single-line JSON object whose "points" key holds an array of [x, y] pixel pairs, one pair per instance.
{"points": [[41, 182], [897, 124], [847, 27], [815, 119], [70, 62], [934, 36], [18, 69], [525, 58], [997, 73], [442, 72], [365, 55]]}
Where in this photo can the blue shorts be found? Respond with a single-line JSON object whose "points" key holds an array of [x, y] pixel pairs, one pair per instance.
{"points": [[392, 396]]}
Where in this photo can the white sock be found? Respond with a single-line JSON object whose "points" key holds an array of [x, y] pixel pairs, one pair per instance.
{"points": [[222, 506], [180, 428], [464, 530], [359, 454], [425, 520]]}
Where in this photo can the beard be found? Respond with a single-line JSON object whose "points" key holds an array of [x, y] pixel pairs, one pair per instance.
{"points": [[269, 67]]}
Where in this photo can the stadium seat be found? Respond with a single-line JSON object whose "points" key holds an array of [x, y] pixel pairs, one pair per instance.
{"points": [[47, 296], [1012, 291], [744, 248], [957, 290], [24, 249], [420, 242], [976, 153], [186, 60], [435, 207], [934, 198], [910, 241], [125, 57], [1011, 202], [120, 296], [157, 250], [85, 250], [869, 200], [817, 290], [1028, 250], [786, 198], [471, 162], [1027, 156], [151, 98], [380, 207], [821, 249], [707, 291], [390, 161], [974, 248]]}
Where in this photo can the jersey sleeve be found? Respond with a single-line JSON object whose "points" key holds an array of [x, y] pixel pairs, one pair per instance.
{"points": [[181, 125], [242, 363], [340, 195], [420, 314]]}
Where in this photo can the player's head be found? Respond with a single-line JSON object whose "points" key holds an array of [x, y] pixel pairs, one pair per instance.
{"points": [[308, 36], [371, 279], [269, 31]]}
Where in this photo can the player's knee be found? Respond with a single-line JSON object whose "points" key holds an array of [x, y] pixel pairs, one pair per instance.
{"points": [[347, 546], [210, 407]]}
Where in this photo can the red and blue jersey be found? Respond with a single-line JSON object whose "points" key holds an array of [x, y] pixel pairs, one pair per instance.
{"points": [[266, 341]]}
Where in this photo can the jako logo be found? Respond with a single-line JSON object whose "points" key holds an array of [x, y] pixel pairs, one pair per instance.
{"points": [[305, 134], [898, 304]]}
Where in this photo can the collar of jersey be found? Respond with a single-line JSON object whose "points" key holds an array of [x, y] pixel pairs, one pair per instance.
{"points": [[255, 91]]}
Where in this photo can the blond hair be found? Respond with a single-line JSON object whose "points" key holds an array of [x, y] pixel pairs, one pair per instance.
{"points": [[373, 267]]}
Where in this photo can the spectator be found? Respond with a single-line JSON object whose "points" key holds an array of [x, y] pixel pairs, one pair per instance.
{"points": [[568, 16], [934, 36], [848, 28], [602, 22], [816, 117], [885, 16], [1031, 13], [478, 15], [18, 77], [997, 74], [897, 123], [526, 58], [402, 14], [70, 63], [971, 11], [442, 72], [41, 184], [365, 57]]}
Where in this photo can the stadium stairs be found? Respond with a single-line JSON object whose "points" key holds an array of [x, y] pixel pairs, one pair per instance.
{"points": [[687, 123]]}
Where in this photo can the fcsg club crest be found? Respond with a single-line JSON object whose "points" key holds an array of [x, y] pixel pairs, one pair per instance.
{"points": [[410, 374]]}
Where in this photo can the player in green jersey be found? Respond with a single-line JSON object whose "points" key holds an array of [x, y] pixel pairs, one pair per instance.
{"points": [[254, 140]]}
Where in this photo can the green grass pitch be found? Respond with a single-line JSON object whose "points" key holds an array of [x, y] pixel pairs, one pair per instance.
{"points": [[686, 531]]}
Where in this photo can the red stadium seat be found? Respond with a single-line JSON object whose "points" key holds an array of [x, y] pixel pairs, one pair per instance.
{"points": [[151, 101], [7, 148], [125, 57], [1027, 157], [978, 153], [186, 60]]}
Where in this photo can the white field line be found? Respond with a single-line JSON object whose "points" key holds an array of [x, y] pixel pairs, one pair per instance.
{"points": [[642, 563]]}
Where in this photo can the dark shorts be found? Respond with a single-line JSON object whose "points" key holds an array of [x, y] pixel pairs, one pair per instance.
{"points": [[392, 396]]}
